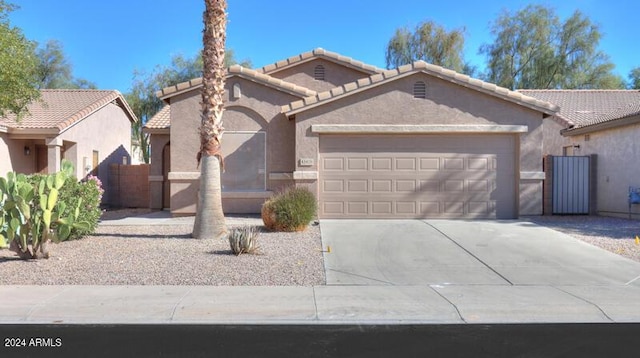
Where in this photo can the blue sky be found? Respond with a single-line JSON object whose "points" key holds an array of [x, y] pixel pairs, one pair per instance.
{"points": [[107, 40]]}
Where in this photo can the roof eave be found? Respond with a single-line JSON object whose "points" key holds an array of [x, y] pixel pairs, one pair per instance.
{"points": [[183, 87], [166, 130], [616, 123], [192, 85], [32, 133]]}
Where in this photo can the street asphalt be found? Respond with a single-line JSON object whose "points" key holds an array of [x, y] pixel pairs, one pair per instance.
{"points": [[379, 272]]}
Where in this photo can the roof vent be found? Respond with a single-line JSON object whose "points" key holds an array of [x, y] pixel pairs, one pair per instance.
{"points": [[419, 90], [318, 73]]}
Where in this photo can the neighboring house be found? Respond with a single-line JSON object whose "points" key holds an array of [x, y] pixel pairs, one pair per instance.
{"points": [[91, 128], [419, 141], [605, 123]]}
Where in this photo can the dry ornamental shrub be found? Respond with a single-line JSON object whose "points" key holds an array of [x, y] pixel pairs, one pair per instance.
{"points": [[291, 210], [243, 240]]}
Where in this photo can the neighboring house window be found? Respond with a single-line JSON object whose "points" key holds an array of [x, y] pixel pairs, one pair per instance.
{"points": [[96, 162], [318, 73], [419, 90], [244, 161]]}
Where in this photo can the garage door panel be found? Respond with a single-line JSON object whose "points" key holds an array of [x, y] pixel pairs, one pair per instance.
{"points": [[382, 207], [333, 207], [357, 186], [405, 164], [357, 207], [381, 163], [448, 176], [406, 207], [355, 164], [333, 163], [381, 185]]}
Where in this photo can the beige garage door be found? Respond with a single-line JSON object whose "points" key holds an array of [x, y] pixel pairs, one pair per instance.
{"points": [[417, 176]]}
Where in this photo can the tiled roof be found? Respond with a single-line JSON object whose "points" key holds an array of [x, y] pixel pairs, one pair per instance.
{"points": [[58, 109], [419, 66], [243, 72], [320, 53], [589, 107], [160, 120]]}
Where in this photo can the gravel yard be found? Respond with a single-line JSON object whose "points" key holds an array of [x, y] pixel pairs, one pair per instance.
{"points": [[166, 254], [612, 234]]}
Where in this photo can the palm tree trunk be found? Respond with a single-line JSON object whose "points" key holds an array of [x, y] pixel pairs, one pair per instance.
{"points": [[210, 222]]}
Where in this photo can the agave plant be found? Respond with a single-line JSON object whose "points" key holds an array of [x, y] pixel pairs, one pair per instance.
{"points": [[243, 240]]}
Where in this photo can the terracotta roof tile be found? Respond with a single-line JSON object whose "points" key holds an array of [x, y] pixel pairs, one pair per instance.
{"points": [[319, 53], [589, 107], [160, 120], [243, 72], [58, 109], [421, 66]]}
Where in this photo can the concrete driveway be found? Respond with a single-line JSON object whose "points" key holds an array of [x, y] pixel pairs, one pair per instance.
{"points": [[454, 252]]}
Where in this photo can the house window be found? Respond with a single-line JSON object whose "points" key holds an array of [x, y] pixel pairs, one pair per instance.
{"points": [[587, 137], [419, 90], [244, 161], [318, 73], [96, 162]]}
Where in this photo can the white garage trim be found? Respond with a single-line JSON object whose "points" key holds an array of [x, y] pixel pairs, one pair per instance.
{"points": [[414, 129], [532, 176], [305, 175]]}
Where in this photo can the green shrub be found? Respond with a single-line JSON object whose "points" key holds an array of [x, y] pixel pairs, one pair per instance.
{"points": [[291, 210], [243, 240], [88, 193]]}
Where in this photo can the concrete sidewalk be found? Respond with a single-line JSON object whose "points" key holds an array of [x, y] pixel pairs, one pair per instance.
{"points": [[318, 305]]}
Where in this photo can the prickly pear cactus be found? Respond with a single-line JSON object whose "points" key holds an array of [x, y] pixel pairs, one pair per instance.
{"points": [[30, 215]]}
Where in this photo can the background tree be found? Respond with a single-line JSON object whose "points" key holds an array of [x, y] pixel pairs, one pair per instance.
{"points": [[429, 42], [55, 71], [209, 222], [18, 67], [143, 100], [634, 78], [534, 49]]}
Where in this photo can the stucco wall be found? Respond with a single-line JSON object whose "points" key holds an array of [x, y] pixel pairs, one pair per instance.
{"points": [[335, 75], [446, 103], [257, 109], [107, 131], [12, 157], [553, 140], [617, 167]]}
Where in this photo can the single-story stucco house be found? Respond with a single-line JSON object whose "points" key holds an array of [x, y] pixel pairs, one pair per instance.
{"points": [[91, 128], [605, 123], [418, 141]]}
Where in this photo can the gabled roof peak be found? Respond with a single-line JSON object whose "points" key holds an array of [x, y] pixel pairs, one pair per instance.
{"points": [[59, 109], [244, 72], [415, 67], [320, 53]]}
